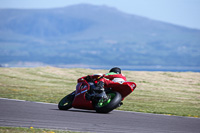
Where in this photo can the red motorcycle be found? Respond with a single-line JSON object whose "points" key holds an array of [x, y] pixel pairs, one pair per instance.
{"points": [[104, 102]]}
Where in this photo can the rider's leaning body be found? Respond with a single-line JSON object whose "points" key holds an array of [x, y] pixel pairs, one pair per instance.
{"points": [[113, 76], [100, 84]]}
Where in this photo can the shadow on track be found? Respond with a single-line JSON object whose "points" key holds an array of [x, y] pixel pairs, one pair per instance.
{"points": [[81, 111]]}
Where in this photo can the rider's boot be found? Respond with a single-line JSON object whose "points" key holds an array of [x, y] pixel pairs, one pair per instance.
{"points": [[120, 104], [100, 90], [99, 87]]}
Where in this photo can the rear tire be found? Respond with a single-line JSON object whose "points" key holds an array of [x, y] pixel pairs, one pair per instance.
{"points": [[66, 102], [111, 104]]}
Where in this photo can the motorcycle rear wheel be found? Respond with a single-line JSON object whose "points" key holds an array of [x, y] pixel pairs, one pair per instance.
{"points": [[66, 102], [109, 105]]}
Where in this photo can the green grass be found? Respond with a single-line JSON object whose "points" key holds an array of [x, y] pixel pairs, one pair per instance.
{"points": [[30, 130], [171, 93]]}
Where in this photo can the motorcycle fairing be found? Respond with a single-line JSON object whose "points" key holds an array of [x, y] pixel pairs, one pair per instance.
{"points": [[80, 100], [124, 88]]}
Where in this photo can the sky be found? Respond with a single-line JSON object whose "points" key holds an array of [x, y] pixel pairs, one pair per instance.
{"points": [[180, 12]]}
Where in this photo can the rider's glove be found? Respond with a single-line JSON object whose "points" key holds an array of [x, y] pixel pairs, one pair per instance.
{"points": [[88, 79]]}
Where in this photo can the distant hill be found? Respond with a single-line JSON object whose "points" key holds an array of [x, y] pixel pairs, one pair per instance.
{"points": [[94, 35]]}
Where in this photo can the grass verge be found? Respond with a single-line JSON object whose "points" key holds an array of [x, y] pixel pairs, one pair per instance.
{"points": [[30, 130], [171, 93]]}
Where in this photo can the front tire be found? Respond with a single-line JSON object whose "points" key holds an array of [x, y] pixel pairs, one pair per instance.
{"points": [[66, 102], [109, 105]]}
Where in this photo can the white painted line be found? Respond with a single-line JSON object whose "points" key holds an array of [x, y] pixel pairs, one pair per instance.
{"points": [[27, 101]]}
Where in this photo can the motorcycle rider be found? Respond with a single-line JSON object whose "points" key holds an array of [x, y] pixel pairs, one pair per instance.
{"points": [[113, 76]]}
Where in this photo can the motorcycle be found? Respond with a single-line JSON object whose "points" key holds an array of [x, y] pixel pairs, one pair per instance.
{"points": [[103, 102]]}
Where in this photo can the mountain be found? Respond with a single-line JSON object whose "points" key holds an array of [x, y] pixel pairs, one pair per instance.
{"points": [[94, 35]]}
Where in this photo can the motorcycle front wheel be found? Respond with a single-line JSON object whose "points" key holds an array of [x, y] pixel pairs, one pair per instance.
{"points": [[114, 100], [66, 102]]}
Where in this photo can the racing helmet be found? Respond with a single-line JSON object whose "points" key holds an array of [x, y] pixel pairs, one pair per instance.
{"points": [[115, 70]]}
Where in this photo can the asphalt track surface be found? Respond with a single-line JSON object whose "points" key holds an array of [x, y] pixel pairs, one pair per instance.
{"points": [[18, 113]]}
